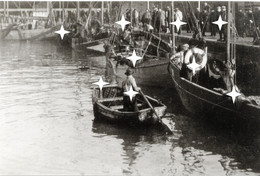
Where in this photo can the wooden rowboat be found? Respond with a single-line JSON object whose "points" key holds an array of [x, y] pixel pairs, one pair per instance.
{"points": [[108, 105]]}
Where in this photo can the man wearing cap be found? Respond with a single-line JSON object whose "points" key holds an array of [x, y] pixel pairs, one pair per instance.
{"points": [[126, 85], [180, 55]]}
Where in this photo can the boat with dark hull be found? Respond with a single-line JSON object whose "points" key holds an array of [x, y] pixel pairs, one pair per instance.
{"points": [[108, 105], [207, 96], [203, 101]]}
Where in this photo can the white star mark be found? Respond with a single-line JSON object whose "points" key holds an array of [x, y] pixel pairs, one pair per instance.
{"points": [[220, 22], [100, 83], [134, 58], [62, 32], [193, 66], [234, 94], [178, 23], [123, 22], [131, 93]]}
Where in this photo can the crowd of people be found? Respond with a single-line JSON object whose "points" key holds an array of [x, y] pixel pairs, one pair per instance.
{"points": [[159, 19]]}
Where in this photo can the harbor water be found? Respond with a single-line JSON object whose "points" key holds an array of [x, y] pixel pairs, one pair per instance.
{"points": [[47, 127]]}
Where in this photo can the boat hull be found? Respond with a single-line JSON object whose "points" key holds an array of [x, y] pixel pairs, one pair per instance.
{"points": [[145, 116], [247, 58], [202, 101], [34, 34], [103, 109], [152, 72]]}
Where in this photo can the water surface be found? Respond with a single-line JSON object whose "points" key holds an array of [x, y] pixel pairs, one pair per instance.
{"points": [[47, 127]]}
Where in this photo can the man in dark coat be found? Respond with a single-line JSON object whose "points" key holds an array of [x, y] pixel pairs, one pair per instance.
{"points": [[224, 18], [168, 15], [219, 12], [213, 17], [146, 18], [158, 21], [203, 21], [240, 22]]}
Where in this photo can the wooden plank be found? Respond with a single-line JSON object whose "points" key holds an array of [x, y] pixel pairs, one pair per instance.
{"points": [[111, 99], [117, 107]]}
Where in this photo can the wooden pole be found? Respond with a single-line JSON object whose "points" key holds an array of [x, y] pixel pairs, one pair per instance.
{"points": [[4, 9], [148, 5], [59, 9], [63, 12], [7, 5], [234, 36], [172, 27], [20, 8], [48, 7], [228, 31], [199, 5], [102, 13], [131, 12], [78, 9]]}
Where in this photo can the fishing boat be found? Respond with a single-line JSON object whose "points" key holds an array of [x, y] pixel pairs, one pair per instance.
{"points": [[108, 105], [15, 33], [151, 70], [202, 100]]}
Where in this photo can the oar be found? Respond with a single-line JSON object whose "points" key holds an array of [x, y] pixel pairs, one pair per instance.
{"points": [[150, 105]]}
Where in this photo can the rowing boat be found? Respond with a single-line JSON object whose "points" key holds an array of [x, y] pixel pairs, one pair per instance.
{"points": [[108, 105]]}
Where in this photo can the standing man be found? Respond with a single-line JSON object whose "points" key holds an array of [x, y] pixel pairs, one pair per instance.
{"points": [[126, 85], [162, 20], [178, 14], [203, 21], [135, 18], [224, 18], [219, 13], [207, 7], [213, 17], [168, 16], [146, 18], [154, 16], [158, 20]]}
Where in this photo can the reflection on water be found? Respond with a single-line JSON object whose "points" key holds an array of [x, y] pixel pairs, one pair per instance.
{"points": [[47, 127]]}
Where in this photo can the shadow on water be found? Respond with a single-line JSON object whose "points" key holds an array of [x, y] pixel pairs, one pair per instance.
{"points": [[239, 150], [131, 137]]}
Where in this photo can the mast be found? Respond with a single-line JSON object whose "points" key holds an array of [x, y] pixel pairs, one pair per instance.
{"points": [[78, 7], [234, 40], [172, 27], [131, 13], [63, 12], [7, 7], [102, 13], [228, 31]]}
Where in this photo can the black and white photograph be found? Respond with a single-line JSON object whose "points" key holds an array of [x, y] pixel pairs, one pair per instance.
{"points": [[129, 88]]}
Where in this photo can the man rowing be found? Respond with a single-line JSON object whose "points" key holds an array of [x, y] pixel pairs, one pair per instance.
{"points": [[126, 85]]}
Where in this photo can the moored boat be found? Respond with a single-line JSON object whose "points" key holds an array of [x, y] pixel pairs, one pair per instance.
{"points": [[208, 98], [34, 34], [108, 105], [151, 70]]}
